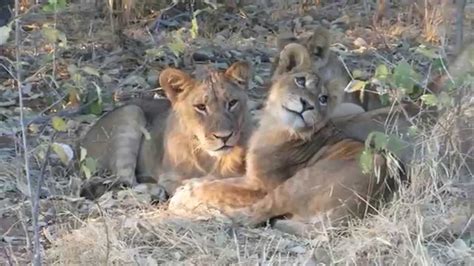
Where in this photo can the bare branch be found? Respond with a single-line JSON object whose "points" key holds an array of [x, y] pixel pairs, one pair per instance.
{"points": [[36, 241]]}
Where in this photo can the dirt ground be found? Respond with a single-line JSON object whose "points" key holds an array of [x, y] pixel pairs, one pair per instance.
{"points": [[75, 56]]}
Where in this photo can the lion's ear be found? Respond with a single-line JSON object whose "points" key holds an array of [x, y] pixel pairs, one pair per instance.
{"points": [[174, 82], [284, 39], [318, 44], [293, 57], [239, 72]]}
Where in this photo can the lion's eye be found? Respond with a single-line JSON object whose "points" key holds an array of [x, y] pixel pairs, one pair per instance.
{"points": [[323, 99], [200, 108], [300, 81], [232, 104]]}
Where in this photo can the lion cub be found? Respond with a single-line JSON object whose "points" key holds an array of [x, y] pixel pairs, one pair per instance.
{"points": [[202, 128], [298, 164], [328, 66]]}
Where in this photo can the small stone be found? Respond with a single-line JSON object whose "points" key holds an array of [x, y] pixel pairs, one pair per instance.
{"points": [[307, 19], [236, 53], [359, 42], [202, 55], [298, 250]]}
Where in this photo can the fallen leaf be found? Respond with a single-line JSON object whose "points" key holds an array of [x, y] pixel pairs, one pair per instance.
{"points": [[64, 152], [59, 124], [5, 33], [91, 71], [355, 85]]}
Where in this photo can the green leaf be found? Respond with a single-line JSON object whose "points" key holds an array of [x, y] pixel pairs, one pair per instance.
{"points": [[366, 161], [194, 28], [63, 151], [96, 108], [89, 166], [381, 72], [61, 4], [378, 139], [395, 144], [413, 130], [78, 79], [50, 34], [86, 171], [59, 124], [431, 53], [429, 99], [5, 33], [404, 77], [98, 90], [54, 5], [53, 35], [155, 52], [48, 8], [357, 73], [356, 85], [91, 71], [384, 99], [438, 64], [83, 154], [62, 37], [177, 46]]}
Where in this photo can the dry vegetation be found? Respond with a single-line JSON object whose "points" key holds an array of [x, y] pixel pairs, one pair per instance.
{"points": [[72, 55]]}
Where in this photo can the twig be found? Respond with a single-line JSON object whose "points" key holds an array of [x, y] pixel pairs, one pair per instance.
{"points": [[8, 103], [36, 200], [36, 243], [9, 260]]}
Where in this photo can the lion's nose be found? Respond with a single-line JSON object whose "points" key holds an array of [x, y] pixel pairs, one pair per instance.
{"points": [[306, 105], [223, 135]]}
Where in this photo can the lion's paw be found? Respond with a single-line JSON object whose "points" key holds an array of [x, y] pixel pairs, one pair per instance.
{"points": [[190, 200], [185, 197]]}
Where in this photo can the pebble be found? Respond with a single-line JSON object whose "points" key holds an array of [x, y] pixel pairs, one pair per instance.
{"points": [[359, 42]]}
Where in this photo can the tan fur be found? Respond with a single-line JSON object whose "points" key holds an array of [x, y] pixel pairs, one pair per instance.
{"points": [[331, 70], [185, 141], [297, 164]]}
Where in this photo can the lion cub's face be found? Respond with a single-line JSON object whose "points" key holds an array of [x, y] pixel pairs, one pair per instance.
{"points": [[298, 101], [213, 110]]}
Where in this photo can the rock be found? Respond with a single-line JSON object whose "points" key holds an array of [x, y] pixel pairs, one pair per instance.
{"points": [[359, 42], [203, 55], [307, 19], [298, 250]]}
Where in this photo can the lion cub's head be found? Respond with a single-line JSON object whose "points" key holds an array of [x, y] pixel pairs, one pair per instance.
{"points": [[213, 110], [298, 101]]}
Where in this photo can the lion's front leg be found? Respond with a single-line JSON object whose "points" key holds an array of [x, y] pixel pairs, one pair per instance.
{"points": [[283, 200], [207, 197], [270, 206]]}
